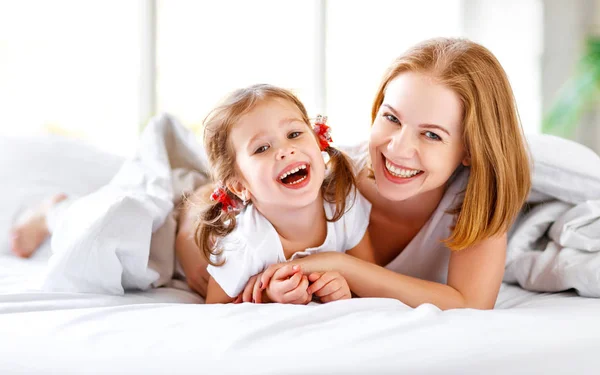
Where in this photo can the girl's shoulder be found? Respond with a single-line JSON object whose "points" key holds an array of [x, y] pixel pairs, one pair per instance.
{"points": [[252, 231]]}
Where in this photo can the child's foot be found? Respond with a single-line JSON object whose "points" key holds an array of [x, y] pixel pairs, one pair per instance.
{"points": [[31, 228]]}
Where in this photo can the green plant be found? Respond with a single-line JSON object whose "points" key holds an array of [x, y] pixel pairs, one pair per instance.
{"points": [[578, 95]]}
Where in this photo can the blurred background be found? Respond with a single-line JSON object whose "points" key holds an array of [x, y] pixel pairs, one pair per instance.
{"points": [[99, 69]]}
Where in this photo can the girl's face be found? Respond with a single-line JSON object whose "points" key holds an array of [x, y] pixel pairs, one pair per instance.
{"points": [[416, 140], [277, 156]]}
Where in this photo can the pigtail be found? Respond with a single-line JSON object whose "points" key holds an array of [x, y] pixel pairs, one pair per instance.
{"points": [[215, 221], [340, 182]]}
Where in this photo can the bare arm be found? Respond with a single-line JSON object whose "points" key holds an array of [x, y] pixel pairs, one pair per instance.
{"points": [[474, 277], [188, 254], [215, 293]]}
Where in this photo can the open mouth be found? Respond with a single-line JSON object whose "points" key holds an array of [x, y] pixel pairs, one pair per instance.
{"points": [[400, 172], [295, 175]]}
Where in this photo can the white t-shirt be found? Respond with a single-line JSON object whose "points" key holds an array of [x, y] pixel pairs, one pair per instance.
{"points": [[425, 257], [254, 244]]}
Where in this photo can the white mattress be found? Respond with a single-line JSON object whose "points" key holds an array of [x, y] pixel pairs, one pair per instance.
{"points": [[167, 331]]}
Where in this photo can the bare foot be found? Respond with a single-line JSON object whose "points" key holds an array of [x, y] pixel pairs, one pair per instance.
{"points": [[31, 229]]}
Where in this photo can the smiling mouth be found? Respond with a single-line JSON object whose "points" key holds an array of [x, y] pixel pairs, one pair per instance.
{"points": [[400, 172], [295, 176]]}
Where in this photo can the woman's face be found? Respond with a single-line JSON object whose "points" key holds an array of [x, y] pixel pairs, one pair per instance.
{"points": [[416, 139]]}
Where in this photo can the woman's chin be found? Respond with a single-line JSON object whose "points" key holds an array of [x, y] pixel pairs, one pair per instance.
{"points": [[393, 192]]}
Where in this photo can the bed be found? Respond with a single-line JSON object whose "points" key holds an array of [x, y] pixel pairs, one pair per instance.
{"points": [[170, 330]]}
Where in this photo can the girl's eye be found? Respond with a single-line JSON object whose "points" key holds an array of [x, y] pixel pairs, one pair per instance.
{"points": [[391, 118], [432, 136], [261, 149], [294, 135]]}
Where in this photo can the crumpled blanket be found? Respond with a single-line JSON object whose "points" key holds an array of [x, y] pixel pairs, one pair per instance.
{"points": [[554, 245], [122, 236]]}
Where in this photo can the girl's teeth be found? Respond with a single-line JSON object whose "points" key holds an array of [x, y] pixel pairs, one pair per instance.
{"points": [[292, 172], [400, 172], [300, 180]]}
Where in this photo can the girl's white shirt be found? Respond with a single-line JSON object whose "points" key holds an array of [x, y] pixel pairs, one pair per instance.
{"points": [[254, 244]]}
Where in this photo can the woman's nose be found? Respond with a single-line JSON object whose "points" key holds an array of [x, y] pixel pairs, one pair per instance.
{"points": [[403, 144]]}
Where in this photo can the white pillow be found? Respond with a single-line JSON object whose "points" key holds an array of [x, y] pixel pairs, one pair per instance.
{"points": [[34, 167], [564, 169]]}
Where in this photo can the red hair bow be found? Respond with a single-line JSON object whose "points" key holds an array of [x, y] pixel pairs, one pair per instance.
{"points": [[220, 195], [323, 132]]}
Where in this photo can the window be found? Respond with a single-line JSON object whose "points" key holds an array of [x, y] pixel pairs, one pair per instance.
{"points": [[71, 67], [97, 69]]}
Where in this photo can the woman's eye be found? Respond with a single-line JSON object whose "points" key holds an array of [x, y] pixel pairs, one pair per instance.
{"points": [[294, 135], [391, 118], [261, 149], [432, 136]]}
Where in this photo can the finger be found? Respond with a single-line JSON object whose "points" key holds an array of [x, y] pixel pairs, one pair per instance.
{"points": [[293, 282], [303, 301], [340, 294], [286, 272], [238, 299], [247, 294], [298, 293], [321, 282], [314, 276], [330, 287], [256, 291], [268, 273]]}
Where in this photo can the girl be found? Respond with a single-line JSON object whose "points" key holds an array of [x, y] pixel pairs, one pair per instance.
{"points": [[447, 173], [264, 154]]}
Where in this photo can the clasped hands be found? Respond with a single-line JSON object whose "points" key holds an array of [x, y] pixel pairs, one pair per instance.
{"points": [[286, 283]]}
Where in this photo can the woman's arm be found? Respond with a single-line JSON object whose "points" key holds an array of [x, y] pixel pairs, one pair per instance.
{"points": [[188, 254], [474, 277]]}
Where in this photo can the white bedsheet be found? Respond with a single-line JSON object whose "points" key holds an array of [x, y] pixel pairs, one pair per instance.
{"points": [[163, 331]]}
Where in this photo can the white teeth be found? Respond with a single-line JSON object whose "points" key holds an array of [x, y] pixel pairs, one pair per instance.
{"points": [[400, 172], [296, 182], [292, 172]]}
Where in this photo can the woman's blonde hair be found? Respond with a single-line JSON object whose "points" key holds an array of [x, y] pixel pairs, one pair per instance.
{"points": [[213, 221], [500, 168]]}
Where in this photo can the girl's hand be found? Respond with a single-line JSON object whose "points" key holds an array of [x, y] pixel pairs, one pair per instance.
{"points": [[322, 262], [329, 286], [289, 285], [252, 289]]}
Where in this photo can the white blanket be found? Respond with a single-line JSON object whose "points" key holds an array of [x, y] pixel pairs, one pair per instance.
{"points": [[555, 243], [122, 236]]}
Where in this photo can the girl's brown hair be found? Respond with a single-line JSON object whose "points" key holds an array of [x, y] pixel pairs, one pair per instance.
{"points": [[214, 222], [500, 176]]}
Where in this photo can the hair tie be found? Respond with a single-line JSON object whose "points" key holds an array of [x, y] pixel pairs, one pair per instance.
{"points": [[323, 132], [220, 195]]}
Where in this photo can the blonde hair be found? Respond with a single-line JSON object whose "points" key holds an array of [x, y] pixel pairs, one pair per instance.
{"points": [[214, 222], [500, 168]]}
